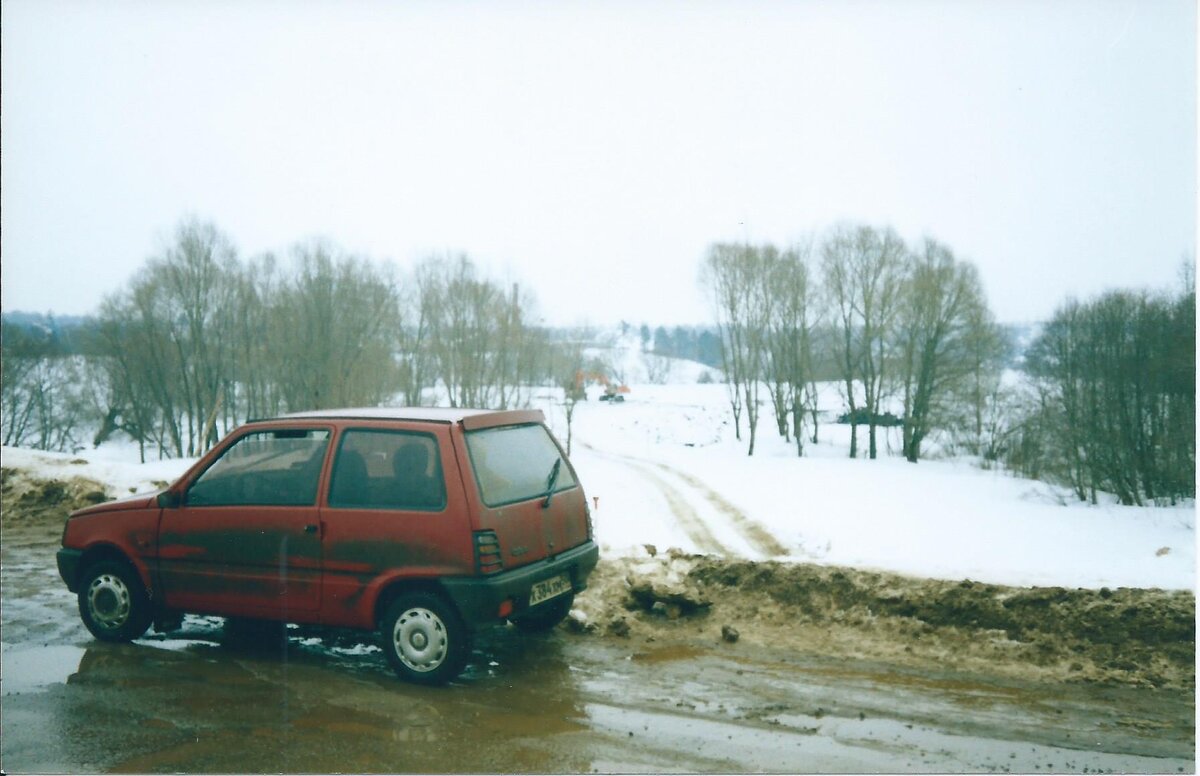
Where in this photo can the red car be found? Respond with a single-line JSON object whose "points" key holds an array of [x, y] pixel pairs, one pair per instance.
{"points": [[426, 524]]}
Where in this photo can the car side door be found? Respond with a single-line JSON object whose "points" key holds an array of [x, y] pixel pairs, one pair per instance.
{"points": [[390, 513], [245, 538]]}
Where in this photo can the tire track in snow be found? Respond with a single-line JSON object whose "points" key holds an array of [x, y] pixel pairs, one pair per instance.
{"points": [[751, 530], [756, 536], [685, 515]]}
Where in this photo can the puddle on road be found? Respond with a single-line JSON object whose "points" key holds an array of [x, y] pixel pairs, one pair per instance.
{"points": [[25, 670], [219, 702], [669, 653], [720, 745]]}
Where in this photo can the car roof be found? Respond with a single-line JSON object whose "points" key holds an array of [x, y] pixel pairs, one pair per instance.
{"points": [[471, 418]]}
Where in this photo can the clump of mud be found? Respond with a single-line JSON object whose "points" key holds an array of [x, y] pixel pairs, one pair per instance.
{"points": [[1123, 636], [28, 501]]}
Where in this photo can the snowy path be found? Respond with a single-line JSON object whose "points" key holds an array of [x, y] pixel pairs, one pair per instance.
{"points": [[759, 537], [708, 519]]}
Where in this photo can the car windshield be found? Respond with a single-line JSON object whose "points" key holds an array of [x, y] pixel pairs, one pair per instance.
{"points": [[515, 463]]}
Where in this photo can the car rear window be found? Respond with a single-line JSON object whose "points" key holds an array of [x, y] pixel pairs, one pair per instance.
{"points": [[515, 463]]}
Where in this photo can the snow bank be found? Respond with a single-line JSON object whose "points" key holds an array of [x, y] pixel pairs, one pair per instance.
{"points": [[115, 467]]}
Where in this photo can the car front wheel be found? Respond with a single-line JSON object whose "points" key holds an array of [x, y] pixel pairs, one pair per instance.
{"points": [[112, 602], [424, 638]]}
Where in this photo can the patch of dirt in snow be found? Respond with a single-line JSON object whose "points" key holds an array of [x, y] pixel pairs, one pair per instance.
{"points": [[29, 504], [1123, 636]]}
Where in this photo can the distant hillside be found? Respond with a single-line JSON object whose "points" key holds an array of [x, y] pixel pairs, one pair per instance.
{"points": [[701, 344], [65, 334]]}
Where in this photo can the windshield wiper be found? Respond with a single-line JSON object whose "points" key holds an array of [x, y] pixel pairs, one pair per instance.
{"points": [[551, 481]]}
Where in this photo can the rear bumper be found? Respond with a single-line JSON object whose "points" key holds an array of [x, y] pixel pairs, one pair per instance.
{"points": [[68, 566], [478, 598]]}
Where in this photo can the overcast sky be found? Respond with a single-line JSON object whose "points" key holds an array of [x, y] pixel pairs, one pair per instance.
{"points": [[593, 150]]}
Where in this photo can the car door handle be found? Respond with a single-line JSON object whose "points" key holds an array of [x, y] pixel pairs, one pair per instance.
{"points": [[310, 529]]}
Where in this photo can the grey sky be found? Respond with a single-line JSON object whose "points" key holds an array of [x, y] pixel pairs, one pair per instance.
{"points": [[593, 150]]}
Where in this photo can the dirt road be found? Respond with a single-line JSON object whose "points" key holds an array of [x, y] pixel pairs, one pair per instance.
{"points": [[212, 702], [821, 678]]}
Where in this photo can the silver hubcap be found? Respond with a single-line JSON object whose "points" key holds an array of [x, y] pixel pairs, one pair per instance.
{"points": [[109, 601], [420, 639]]}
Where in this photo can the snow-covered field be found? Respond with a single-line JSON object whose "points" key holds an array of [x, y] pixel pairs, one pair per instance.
{"points": [[664, 469], [941, 519]]}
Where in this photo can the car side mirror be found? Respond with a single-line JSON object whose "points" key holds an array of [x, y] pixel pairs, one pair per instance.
{"points": [[170, 499]]}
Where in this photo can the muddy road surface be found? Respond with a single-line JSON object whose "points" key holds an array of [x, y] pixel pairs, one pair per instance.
{"points": [[673, 663], [216, 702]]}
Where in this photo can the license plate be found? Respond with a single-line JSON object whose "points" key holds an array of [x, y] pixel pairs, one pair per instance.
{"points": [[549, 588]]}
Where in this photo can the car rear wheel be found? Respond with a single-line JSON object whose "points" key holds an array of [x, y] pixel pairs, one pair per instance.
{"points": [[545, 617], [424, 638], [112, 602]]}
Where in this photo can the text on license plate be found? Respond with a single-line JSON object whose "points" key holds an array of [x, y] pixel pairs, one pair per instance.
{"points": [[549, 588]]}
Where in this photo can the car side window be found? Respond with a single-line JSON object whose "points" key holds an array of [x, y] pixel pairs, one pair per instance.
{"points": [[378, 469], [264, 468]]}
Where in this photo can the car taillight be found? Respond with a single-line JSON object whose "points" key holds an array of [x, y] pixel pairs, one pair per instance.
{"points": [[587, 511], [487, 553]]}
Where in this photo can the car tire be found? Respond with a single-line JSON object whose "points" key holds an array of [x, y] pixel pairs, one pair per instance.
{"points": [[544, 618], [113, 603], [424, 638]]}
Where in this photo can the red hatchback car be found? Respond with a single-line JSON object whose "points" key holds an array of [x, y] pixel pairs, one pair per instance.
{"points": [[426, 524]]}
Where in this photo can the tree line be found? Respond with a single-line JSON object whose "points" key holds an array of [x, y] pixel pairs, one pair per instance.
{"points": [[200, 341], [1107, 399], [1112, 398], [886, 321]]}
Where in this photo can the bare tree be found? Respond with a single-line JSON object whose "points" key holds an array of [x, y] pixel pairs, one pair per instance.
{"points": [[257, 361], [42, 402], [738, 279], [862, 268], [414, 362], [989, 348], [720, 276], [167, 341], [1116, 379], [790, 338], [943, 341], [480, 343], [20, 354], [837, 263], [198, 340], [333, 327], [567, 367], [196, 276]]}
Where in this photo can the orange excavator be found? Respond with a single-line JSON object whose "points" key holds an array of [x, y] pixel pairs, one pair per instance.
{"points": [[612, 391]]}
